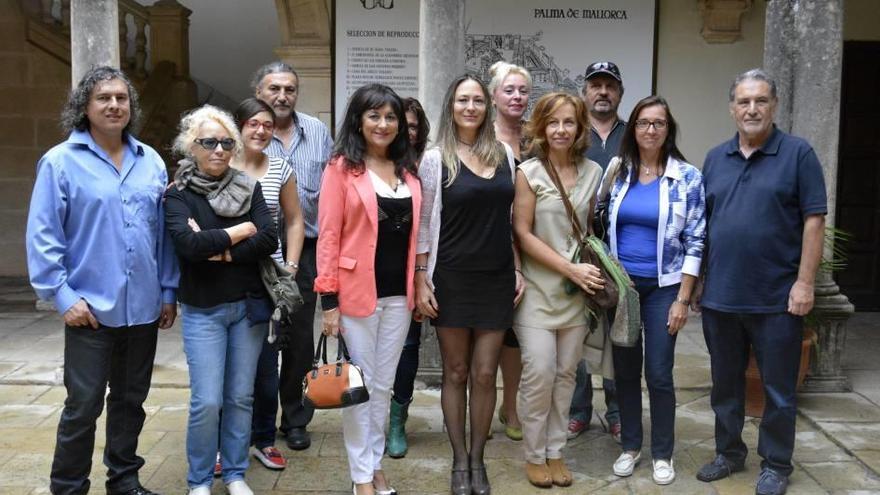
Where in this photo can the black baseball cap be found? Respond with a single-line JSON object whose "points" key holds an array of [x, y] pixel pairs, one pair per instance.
{"points": [[609, 68]]}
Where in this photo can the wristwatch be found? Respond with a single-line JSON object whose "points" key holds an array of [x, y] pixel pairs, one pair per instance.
{"points": [[684, 302]]}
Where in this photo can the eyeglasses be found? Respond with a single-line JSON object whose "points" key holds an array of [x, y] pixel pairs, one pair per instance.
{"points": [[658, 125], [256, 124], [371, 4], [210, 144]]}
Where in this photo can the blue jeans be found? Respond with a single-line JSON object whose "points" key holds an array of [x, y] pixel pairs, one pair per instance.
{"points": [[408, 365], [776, 340], [265, 397], [659, 357], [221, 349], [582, 399]]}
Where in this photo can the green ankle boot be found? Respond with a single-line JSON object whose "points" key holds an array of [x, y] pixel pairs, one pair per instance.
{"points": [[395, 442]]}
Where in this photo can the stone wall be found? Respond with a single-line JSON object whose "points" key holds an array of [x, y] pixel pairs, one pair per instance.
{"points": [[33, 86]]}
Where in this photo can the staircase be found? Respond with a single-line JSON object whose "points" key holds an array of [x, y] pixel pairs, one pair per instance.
{"points": [[154, 53]]}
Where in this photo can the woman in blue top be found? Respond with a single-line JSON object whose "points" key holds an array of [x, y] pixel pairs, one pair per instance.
{"points": [[656, 229]]}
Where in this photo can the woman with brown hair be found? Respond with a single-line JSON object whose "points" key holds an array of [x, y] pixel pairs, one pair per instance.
{"points": [[551, 323]]}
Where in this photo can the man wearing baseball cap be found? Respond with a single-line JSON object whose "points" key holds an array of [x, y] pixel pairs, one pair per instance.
{"points": [[603, 88]]}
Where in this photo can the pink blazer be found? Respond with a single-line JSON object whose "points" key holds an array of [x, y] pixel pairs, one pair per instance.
{"points": [[348, 226]]}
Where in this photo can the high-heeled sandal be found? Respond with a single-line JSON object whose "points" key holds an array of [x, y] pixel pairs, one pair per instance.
{"points": [[460, 482], [480, 481]]}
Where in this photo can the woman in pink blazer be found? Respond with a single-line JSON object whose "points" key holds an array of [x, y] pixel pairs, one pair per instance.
{"points": [[368, 216]]}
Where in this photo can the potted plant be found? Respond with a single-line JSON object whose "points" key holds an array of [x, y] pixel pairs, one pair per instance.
{"points": [[834, 260]]}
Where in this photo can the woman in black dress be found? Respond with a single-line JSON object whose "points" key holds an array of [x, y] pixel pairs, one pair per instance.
{"points": [[467, 272]]}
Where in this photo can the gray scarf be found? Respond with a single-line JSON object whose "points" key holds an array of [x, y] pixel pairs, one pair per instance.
{"points": [[229, 195]]}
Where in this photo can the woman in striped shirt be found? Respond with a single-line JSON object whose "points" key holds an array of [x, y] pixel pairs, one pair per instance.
{"points": [[256, 120]]}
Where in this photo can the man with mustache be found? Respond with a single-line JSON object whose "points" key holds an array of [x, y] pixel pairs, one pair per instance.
{"points": [[765, 226], [603, 88], [96, 247], [305, 143]]}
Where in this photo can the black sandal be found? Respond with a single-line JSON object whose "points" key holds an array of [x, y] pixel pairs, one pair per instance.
{"points": [[480, 481], [460, 482]]}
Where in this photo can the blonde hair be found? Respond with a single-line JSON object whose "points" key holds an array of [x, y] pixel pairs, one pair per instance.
{"points": [[486, 147], [501, 69], [535, 128], [192, 122]]}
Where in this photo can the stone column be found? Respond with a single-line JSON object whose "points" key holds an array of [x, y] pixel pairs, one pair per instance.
{"points": [[169, 35], [94, 36], [803, 47], [441, 52]]}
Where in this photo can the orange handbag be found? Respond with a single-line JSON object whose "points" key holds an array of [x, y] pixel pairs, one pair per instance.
{"points": [[333, 385]]}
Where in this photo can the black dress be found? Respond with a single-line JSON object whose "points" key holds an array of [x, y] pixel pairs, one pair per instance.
{"points": [[474, 280]]}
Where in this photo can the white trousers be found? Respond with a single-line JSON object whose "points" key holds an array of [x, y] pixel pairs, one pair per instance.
{"points": [[374, 343], [550, 359]]}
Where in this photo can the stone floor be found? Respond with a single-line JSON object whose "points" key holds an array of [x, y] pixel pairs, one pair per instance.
{"points": [[838, 439]]}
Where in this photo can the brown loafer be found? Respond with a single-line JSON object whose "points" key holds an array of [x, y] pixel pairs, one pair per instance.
{"points": [[559, 472], [539, 475]]}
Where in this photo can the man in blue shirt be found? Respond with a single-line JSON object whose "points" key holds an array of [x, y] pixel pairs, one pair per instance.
{"points": [[603, 89], [96, 247], [305, 143], [765, 212]]}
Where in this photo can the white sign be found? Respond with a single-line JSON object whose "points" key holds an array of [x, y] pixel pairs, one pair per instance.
{"points": [[377, 41]]}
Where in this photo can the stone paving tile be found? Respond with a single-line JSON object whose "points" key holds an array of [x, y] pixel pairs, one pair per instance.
{"points": [[841, 407], [843, 475], [24, 416], [21, 394], [36, 372], [7, 367], [169, 418], [26, 469], [53, 396], [854, 436], [814, 446], [870, 458]]}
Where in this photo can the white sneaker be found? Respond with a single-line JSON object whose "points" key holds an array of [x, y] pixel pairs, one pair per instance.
{"points": [[664, 473], [625, 464], [239, 487], [200, 490]]}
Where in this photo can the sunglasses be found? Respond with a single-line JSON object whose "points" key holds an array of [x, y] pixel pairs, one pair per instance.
{"points": [[210, 144]]}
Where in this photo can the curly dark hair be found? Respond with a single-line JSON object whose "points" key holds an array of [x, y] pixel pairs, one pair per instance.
{"points": [[350, 142], [73, 115]]}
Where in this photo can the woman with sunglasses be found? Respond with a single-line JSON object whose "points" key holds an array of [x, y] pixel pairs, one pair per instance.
{"points": [[256, 122], [467, 276], [656, 229], [220, 227], [368, 217], [396, 445]]}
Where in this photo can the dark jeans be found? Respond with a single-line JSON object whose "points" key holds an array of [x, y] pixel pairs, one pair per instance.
{"points": [[776, 340], [123, 358], [265, 397], [582, 399], [296, 358], [408, 365], [659, 357]]}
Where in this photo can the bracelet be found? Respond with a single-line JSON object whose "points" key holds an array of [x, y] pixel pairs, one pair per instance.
{"points": [[292, 264], [682, 301], [517, 270], [421, 268]]}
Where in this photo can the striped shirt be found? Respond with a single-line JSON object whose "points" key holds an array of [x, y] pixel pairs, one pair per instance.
{"points": [[278, 173], [307, 156]]}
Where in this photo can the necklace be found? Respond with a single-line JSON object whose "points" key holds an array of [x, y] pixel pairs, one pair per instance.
{"points": [[649, 171], [469, 145]]}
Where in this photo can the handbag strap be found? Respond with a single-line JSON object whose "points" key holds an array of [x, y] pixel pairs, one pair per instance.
{"points": [[320, 351], [577, 231], [605, 187]]}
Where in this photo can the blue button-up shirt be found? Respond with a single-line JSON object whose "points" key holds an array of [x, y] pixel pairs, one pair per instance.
{"points": [[307, 155], [97, 233]]}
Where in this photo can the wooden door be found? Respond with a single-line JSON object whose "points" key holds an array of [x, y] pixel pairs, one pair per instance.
{"points": [[858, 179]]}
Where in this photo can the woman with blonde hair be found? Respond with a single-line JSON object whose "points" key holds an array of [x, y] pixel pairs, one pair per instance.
{"points": [[510, 86], [220, 227], [551, 323], [467, 277]]}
